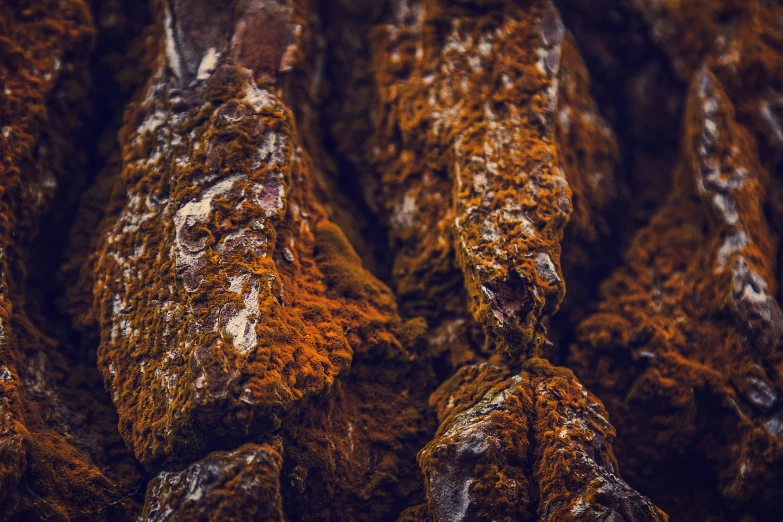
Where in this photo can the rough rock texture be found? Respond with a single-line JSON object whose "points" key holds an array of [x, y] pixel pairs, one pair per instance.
{"points": [[56, 440], [741, 42], [682, 340], [260, 302], [243, 484], [511, 449], [478, 118], [258, 298], [203, 204]]}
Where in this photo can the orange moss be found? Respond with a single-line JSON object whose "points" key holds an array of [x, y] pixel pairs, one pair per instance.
{"points": [[54, 458], [258, 304], [533, 445], [679, 347], [466, 109]]}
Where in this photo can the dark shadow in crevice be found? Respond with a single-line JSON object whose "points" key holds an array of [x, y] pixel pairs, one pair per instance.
{"points": [[92, 414], [638, 93]]}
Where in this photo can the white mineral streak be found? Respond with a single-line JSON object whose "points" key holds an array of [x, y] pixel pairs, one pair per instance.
{"points": [[546, 269], [242, 326], [208, 64], [189, 254], [171, 47], [259, 98], [153, 123]]}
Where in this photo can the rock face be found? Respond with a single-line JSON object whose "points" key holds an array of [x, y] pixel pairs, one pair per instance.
{"points": [[225, 485], [319, 270], [57, 454], [511, 449], [255, 288], [694, 310], [476, 135]]}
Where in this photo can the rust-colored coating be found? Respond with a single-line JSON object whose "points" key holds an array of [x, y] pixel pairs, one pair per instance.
{"points": [[257, 295], [739, 41], [280, 162], [465, 162], [54, 456], [510, 449], [693, 312]]}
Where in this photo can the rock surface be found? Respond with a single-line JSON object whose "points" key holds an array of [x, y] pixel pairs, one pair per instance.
{"points": [[59, 459], [397, 260], [693, 312], [224, 485], [535, 445]]}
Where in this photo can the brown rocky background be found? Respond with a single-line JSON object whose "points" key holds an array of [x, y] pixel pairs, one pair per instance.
{"points": [[395, 260]]}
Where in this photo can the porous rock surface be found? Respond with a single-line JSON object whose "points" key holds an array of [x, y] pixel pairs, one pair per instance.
{"points": [[397, 260]]}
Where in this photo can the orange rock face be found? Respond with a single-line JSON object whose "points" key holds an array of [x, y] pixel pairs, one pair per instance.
{"points": [[511, 449], [412, 260], [255, 289], [58, 455], [694, 309]]}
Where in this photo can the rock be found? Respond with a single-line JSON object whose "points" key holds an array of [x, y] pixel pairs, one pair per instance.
{"points": [[242, 484], [740, 43], [510, 448], [280, 162], [256, 291], [465, 143], [54, 455], [352, 456], [691, 321]]}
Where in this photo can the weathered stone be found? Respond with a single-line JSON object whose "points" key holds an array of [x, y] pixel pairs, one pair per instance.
{"points": [[536, 444], [352, 455], [242, 484], [255, 292], [279, 151], [690, 321], [740, 42], [466, 136], [53, 459]]}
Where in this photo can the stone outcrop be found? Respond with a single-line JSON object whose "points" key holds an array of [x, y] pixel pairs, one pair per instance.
{"points": [[397, 260]]}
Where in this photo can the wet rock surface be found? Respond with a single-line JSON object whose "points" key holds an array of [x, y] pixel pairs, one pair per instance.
{"points": [[411, 260]]}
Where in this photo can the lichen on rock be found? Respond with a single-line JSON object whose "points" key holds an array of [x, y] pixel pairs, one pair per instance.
{"points": [[218, 211], [693, 312], [465, 162], [510, 447], [226, 245]]}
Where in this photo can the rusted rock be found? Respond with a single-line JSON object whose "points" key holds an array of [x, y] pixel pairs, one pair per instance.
{"points": [[465, 163], [740, 42], [284, 157], [257, 294]]}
